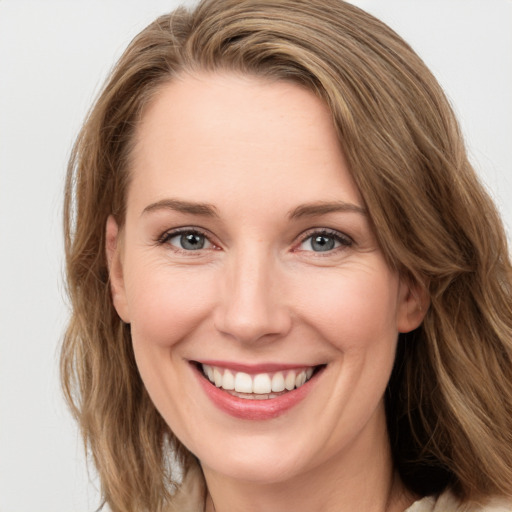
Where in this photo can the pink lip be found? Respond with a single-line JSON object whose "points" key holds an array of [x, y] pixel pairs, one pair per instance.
{"points": [[254, 409]]}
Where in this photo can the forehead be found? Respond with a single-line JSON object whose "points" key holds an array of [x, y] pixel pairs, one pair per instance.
{"points": [[211, 134]]}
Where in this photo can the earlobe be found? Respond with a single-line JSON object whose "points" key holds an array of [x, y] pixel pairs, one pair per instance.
{"points": [[113, 245], [413, 305]]}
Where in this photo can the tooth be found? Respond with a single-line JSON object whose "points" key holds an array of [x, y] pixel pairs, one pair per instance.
{"points": [[300, 379], [243, 383], [261, 384], [278, 382], [217, 376], [289, 382], [208, 370], [228, 380]]}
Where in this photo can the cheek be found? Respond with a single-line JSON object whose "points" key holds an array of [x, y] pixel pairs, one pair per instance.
{"points": [[167, 304], [167, 307], [354, 307]]}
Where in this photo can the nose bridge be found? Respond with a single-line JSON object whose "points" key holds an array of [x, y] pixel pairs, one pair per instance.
{"points": [[251, 304]]}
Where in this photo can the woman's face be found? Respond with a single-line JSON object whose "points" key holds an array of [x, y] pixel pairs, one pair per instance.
{"points": [[247, 254]]}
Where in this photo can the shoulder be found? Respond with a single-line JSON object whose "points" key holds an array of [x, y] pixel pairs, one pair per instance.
{"points": [[448, 502]]}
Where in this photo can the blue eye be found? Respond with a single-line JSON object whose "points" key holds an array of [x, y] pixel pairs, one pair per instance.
{"points": [[324, 242], [188, 240]]}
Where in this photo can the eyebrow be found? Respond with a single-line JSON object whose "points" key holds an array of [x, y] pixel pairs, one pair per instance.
{"points": [[204, 209], [208, 210], [323, 208]]}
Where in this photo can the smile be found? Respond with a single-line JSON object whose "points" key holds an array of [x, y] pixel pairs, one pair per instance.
{"points": [[256, 394], [257, 387]]}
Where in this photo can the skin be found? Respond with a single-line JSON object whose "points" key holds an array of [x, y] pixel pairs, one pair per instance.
{"points": [[257, 292]]}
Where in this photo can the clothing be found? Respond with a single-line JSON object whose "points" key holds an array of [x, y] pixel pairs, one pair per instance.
{"points": [[447, 502], [191, 498]]}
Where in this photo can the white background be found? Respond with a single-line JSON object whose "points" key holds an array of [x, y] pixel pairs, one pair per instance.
{"points": [[54, 56]]}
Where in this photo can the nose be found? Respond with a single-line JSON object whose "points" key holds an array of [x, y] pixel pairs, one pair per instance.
{"points": [[252, 304]]}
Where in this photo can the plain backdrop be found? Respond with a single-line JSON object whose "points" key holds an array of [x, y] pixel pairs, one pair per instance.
{"points": [[54, 56]]}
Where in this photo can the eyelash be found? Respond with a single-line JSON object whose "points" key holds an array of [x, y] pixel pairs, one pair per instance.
{"points": [[168, 235], [343, 240]]}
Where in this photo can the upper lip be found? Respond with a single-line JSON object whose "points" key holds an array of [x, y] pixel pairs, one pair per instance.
{"points": [[254, 368]]}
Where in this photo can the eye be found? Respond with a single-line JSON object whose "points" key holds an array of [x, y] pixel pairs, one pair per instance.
{"points": [[189, 240], [324, 241]]}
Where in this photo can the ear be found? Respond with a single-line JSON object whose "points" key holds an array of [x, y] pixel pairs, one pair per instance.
{"points": [[413, 303], [115, 266]]}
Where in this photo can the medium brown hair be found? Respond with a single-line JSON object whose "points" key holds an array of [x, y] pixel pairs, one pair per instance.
{"points": [[449, 401]]}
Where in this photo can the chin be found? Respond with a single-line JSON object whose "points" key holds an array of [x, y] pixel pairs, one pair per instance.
{"points": [[257, 469]]}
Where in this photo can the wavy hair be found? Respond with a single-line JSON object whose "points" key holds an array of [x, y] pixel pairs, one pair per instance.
{"points": [[449, 400]]}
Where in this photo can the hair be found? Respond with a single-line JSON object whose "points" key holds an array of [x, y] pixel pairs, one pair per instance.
{"points": [[449, 400]]}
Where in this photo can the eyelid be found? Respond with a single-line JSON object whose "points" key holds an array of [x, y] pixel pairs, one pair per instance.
{"points": [[171, 233], [343, 238]]}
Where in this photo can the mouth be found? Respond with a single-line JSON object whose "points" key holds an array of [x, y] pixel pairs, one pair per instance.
{"points": [[254, 393], [260, 386]]}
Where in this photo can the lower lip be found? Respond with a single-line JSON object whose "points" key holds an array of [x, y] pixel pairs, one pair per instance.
{"points": [[255, 409]]}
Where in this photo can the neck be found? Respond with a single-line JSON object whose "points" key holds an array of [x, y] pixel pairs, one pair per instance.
{"points": [[361, 478]]}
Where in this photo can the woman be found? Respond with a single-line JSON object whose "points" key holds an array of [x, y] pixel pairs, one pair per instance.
{"points": [[289, 290]]}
